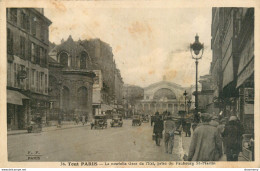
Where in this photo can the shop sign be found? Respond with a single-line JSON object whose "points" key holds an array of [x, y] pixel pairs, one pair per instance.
{"points": [[249, 95], [248, 108]]}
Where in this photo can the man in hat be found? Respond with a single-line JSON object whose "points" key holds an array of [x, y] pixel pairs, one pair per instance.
{"points": [[169, 128], [233, 134], [158, 128], [214, 121], [206, 143]]}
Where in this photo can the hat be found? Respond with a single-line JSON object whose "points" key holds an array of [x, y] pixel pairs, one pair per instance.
{"points": [[205, 117], [232, 118], [214, 118]]}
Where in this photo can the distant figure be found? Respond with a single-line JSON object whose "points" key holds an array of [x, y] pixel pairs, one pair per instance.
{"points": [[83, 120], [169, 134], [233, 134], [158, 128], [206, 143], [77, 119]]}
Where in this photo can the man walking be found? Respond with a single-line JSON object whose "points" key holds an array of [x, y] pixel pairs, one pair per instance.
{"points": [[206, 143], [158, 128], [169, 134], [233, 133]]}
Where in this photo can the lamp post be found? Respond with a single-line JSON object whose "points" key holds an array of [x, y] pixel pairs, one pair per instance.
{"points": [[196, 50], [185, 95]]}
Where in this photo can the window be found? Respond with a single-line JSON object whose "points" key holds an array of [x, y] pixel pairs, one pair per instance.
{"points": [[33, 25], [37, 53], [37, 81], [27, 79], [32, 77], [13, 12], [42, 74], [15, 75], [22, 47], [29, 48], [64, 59], [83, 60], [46, 84], [9, 42], [42, 32], [23, 21], [41, 55], [33, 51]]}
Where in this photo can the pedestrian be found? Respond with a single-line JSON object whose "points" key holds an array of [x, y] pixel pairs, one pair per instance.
{"points": [[221, 128], [233, 133], [188, 126], [169, 134], [77, 119], [158, 128], [83, 120], [205, 143], [214, 121]]}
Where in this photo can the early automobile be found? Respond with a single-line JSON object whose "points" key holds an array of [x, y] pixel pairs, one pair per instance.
{"points": [[100, 121], [117, 120], [137, 120], [145, 118]]}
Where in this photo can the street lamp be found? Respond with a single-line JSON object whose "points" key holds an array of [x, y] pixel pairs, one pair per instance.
{"points": [[185, 95], [196, 50]]}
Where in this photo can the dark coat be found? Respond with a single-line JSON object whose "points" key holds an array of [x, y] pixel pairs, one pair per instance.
{"points": [[158, 125], [233, 135]]}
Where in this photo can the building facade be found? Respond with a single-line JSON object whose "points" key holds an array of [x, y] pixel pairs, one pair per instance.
{"points": [[232, 65], [89, 56], [27, 66], [233, 53], [132, 95], [164, 96], [71, 81]]}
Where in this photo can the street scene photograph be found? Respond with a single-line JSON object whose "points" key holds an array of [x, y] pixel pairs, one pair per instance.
{"points": [[130, 84]]}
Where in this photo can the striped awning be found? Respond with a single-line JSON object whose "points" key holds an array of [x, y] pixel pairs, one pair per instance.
{"points": [[15, 97]]}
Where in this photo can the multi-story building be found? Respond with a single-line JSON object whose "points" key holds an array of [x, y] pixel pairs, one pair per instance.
{"points": [[233, 48], [27, 66], [232, 65], [131, 95]]}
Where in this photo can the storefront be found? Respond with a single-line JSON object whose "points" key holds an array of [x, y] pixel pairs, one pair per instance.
{"points": [[17, 110]]}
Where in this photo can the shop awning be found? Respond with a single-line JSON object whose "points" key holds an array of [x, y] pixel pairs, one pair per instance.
{"points": [[15, 97], [245, 74], [105, 107]]}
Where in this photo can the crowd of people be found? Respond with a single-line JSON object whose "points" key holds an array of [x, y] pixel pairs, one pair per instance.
{"points": [[213, 136]]}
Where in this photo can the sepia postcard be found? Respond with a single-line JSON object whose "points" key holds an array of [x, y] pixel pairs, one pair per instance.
{"points": [[150, 84]]}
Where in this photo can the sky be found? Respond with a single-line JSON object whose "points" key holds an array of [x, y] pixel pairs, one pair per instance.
{"points": [[148, 43]]}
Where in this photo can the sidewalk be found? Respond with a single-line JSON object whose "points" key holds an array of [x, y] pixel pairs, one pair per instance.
{"points": [[186, 144], [49, 128]]}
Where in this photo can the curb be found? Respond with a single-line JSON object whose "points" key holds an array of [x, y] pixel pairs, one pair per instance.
{"points": [[25, 132]]}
